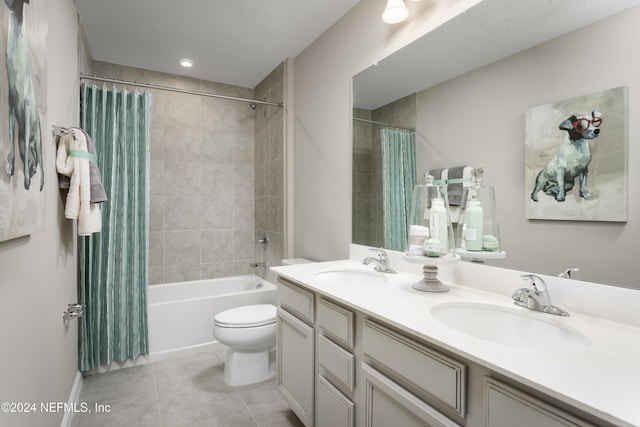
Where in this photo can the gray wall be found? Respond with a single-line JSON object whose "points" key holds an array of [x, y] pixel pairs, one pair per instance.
{"points": [[38, 351], [216, 176], [478, 119]]}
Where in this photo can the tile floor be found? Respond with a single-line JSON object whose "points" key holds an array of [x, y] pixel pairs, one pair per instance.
{"points": [[183, 391]]}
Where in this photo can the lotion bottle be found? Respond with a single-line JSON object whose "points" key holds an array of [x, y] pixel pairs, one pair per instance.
{"points": [[473, 232], [438, 222]]}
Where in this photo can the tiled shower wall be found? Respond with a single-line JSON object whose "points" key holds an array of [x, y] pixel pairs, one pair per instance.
{"points": [[202, 184], [367, 204], [269, 169], [366, 207]]}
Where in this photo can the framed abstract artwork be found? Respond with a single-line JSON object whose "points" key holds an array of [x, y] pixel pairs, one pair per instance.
{"points": [[23, 103], [576, 158]]}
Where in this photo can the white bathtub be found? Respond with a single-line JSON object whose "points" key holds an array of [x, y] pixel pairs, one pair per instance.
{"points": [[180, 315]]}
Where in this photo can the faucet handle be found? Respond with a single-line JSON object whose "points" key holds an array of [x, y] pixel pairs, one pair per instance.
{"points": [[380, 252], [535, 283], [566, 274]]}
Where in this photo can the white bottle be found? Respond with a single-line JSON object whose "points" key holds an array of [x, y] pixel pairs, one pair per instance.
{"points": [[438, 222], [473, 226]]}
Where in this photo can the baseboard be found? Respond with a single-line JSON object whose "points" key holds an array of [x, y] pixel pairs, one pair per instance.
{"points": [[74, 395]]}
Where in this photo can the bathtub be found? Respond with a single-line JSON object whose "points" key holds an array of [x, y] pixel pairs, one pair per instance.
{"points": [[180, 315]]}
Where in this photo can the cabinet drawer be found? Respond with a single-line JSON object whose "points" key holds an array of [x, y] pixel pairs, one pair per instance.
{"points": [[338, 363], [506, 406], [415, 364], [296, 300], [336, 322], [333, 408], [389, 404]]}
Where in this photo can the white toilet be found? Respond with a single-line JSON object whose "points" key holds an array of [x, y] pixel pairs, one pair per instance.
{"points": [[249, 332]]}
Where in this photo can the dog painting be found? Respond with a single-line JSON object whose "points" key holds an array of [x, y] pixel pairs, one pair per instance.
{"points": [[24, 120], [22, 112], [572, 159], [576, 151]]}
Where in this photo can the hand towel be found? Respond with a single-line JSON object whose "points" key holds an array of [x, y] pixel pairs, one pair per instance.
{"points": [[98, 195], [457, 178], [72, 160], [437, 175]]}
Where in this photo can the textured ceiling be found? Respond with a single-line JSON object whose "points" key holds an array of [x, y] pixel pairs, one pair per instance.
{"points": [[488, 31], [237, 42]]}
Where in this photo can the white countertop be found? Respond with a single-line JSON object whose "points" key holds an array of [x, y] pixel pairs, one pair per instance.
{"points": [[602, 379]]}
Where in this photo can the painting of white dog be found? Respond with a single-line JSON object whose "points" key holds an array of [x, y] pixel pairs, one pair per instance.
{"points": [[22, 112], [576, 158]]}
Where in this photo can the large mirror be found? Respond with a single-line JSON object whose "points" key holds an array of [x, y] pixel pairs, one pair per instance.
{"points": [[465, 88]]}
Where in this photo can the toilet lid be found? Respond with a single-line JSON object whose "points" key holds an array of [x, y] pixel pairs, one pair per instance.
{"points": [[247, 316]]}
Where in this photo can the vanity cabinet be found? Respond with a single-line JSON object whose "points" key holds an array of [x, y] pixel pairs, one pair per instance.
{"points": [[340, 367], [295, 350], [387, 403], [335, 380], [506, 406]]}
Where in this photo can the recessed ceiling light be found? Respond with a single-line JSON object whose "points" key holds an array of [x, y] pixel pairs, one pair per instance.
{"points": [[186, 63]]}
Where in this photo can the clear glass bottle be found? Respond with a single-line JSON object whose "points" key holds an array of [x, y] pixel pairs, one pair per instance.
{"points": [[477, 230], [430, 211], [473, 226]]}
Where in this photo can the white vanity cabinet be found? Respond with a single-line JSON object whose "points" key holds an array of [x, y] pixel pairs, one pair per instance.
{"points": [[341, 367], [335, 379], [295, 349], [506, 406], [417, 380]]}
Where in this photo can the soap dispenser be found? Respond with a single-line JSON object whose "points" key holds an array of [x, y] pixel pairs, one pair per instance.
{"points": [[429, 218], [477, 231], [430, 222]]}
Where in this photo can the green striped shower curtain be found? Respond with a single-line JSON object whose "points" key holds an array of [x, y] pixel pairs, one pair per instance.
{"points": [[113, 263], [398, 180]]}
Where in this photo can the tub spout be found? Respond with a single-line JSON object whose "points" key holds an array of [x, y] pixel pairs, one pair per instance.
{"points": [[258, 264]]}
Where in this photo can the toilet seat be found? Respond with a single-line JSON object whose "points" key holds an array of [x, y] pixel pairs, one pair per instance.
{"points": [[249, 316]]}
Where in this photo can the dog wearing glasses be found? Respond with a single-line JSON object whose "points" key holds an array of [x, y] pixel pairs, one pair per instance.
{"points": [[572, 159]]}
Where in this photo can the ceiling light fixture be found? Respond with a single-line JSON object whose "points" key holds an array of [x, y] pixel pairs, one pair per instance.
{"points": [[395, 12], [186, 63]]}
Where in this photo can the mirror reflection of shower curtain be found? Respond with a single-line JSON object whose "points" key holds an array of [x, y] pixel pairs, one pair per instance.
{"points": [[398, 180]]}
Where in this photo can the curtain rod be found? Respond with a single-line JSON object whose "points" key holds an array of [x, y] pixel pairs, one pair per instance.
{"points": [[383, 124], [173, 89]]}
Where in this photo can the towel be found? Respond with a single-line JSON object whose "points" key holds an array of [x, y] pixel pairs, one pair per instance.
{"points": [[98, 194], [437, 175], [72, 160], [457, 178]]}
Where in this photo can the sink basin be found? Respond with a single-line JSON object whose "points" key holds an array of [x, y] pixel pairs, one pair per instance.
{"points": [[352, 276], [511, 327]]}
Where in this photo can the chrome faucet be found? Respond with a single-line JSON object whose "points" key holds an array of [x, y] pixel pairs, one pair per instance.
{"points": [[567, 273], [381, 261], [536, 297]]}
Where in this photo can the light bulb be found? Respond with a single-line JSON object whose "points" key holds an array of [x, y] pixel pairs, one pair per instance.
{"points": [[395, 12], [186, 63]]}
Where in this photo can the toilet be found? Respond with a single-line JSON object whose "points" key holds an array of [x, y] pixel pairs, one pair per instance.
{"points": [[249, 332]]}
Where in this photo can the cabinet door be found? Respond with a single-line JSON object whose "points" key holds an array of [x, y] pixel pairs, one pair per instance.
{"points": [[295, 365], [334, 409], [387, 404], [506, 406]]}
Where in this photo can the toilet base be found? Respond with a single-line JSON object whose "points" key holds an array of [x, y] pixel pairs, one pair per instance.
{"points": [[247, 367]]}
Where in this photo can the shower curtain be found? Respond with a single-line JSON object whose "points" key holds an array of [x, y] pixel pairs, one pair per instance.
{"points": [[398, 180], [113, 263]]}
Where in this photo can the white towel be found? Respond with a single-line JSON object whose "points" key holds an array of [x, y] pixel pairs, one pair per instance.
{"points": [[72, 160]]}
